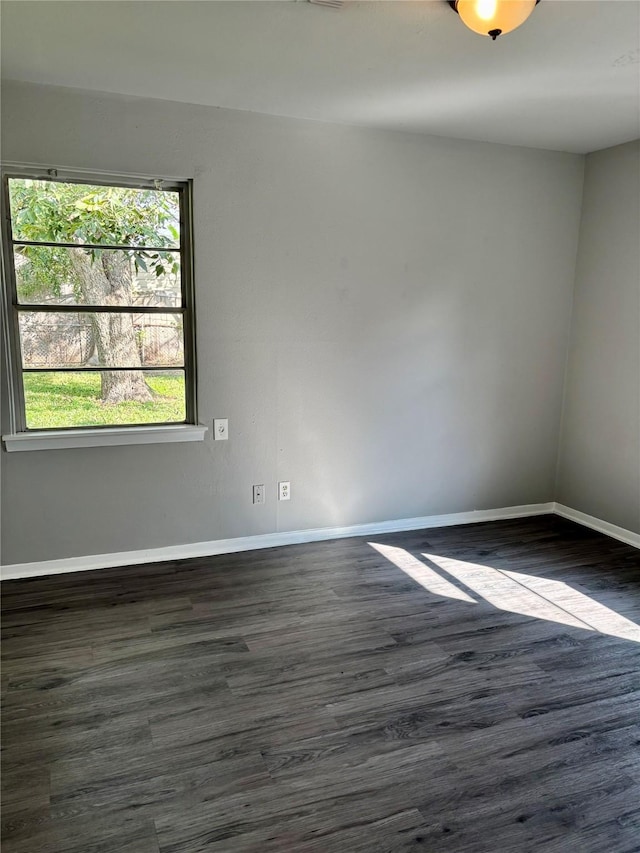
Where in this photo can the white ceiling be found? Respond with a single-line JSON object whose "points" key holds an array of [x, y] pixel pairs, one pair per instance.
{"points": [[568, 79]]}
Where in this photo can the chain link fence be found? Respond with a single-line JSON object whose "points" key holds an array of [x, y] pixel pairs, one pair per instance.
{"points": [[67, 342]]}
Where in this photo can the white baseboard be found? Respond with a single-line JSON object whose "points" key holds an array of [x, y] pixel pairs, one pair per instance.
{"points": [[266, 540], [296, 537], [605, 527]]}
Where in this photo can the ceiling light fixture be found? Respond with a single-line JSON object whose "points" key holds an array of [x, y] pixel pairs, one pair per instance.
{"points": [[493, 17]]}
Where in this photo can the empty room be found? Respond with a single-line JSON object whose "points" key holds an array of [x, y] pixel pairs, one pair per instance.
{"points": [[320, 421]]}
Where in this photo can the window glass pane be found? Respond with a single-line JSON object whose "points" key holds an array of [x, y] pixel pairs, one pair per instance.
{"points": [[52, 275], [78, 399], [75, 339], [64, 212]]}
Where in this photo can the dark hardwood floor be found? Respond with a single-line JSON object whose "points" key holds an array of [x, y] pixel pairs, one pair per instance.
{"points": [[331, 697]]}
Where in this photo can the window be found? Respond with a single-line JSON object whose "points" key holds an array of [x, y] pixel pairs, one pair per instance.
{"points": [[99, 301]]}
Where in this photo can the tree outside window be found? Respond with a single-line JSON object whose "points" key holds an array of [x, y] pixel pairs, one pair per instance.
{"points": [[100, 299]]}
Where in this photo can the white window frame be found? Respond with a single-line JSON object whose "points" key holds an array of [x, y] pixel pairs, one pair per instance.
{"points": [[19, 437]]}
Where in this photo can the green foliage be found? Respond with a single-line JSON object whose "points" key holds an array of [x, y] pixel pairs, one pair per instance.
{"points": [[54, 211], [42, 270], [73, 399]]}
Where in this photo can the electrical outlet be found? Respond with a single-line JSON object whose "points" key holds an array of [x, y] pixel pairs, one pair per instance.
{"points": [[258, 494], [284, 491], [221, 429]]}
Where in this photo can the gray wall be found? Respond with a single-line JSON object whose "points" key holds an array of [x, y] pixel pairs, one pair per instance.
{"points": [[599, 467], [383, 317]]}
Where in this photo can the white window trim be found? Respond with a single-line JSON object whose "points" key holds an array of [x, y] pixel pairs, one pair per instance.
{"points": [[51, 439], [107, 437]]}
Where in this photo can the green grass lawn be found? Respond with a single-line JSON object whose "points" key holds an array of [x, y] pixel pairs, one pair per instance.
{"points": [[73, 399]]}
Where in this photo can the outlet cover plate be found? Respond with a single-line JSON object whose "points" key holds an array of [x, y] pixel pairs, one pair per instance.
{"points": [[284, 490], [221, 429]]}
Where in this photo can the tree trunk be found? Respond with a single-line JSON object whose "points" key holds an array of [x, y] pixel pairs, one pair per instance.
{"points": [[106, 280]]}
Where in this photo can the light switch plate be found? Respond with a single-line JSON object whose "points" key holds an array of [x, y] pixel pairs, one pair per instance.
{"points": [[221, 429]]}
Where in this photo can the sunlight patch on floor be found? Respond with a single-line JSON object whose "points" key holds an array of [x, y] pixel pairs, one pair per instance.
{"points": [[504, 592], [514, 592], [598, 616], [420, 573]]}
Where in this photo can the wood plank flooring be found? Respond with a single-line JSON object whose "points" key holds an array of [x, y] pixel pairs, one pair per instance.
{"points": [[462, 690]]}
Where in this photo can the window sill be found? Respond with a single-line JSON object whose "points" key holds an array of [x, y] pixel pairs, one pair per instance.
{"points": [[109, 437]]}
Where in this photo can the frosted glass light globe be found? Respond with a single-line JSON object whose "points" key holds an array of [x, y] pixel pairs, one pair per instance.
{"points": [[494, 17]]}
